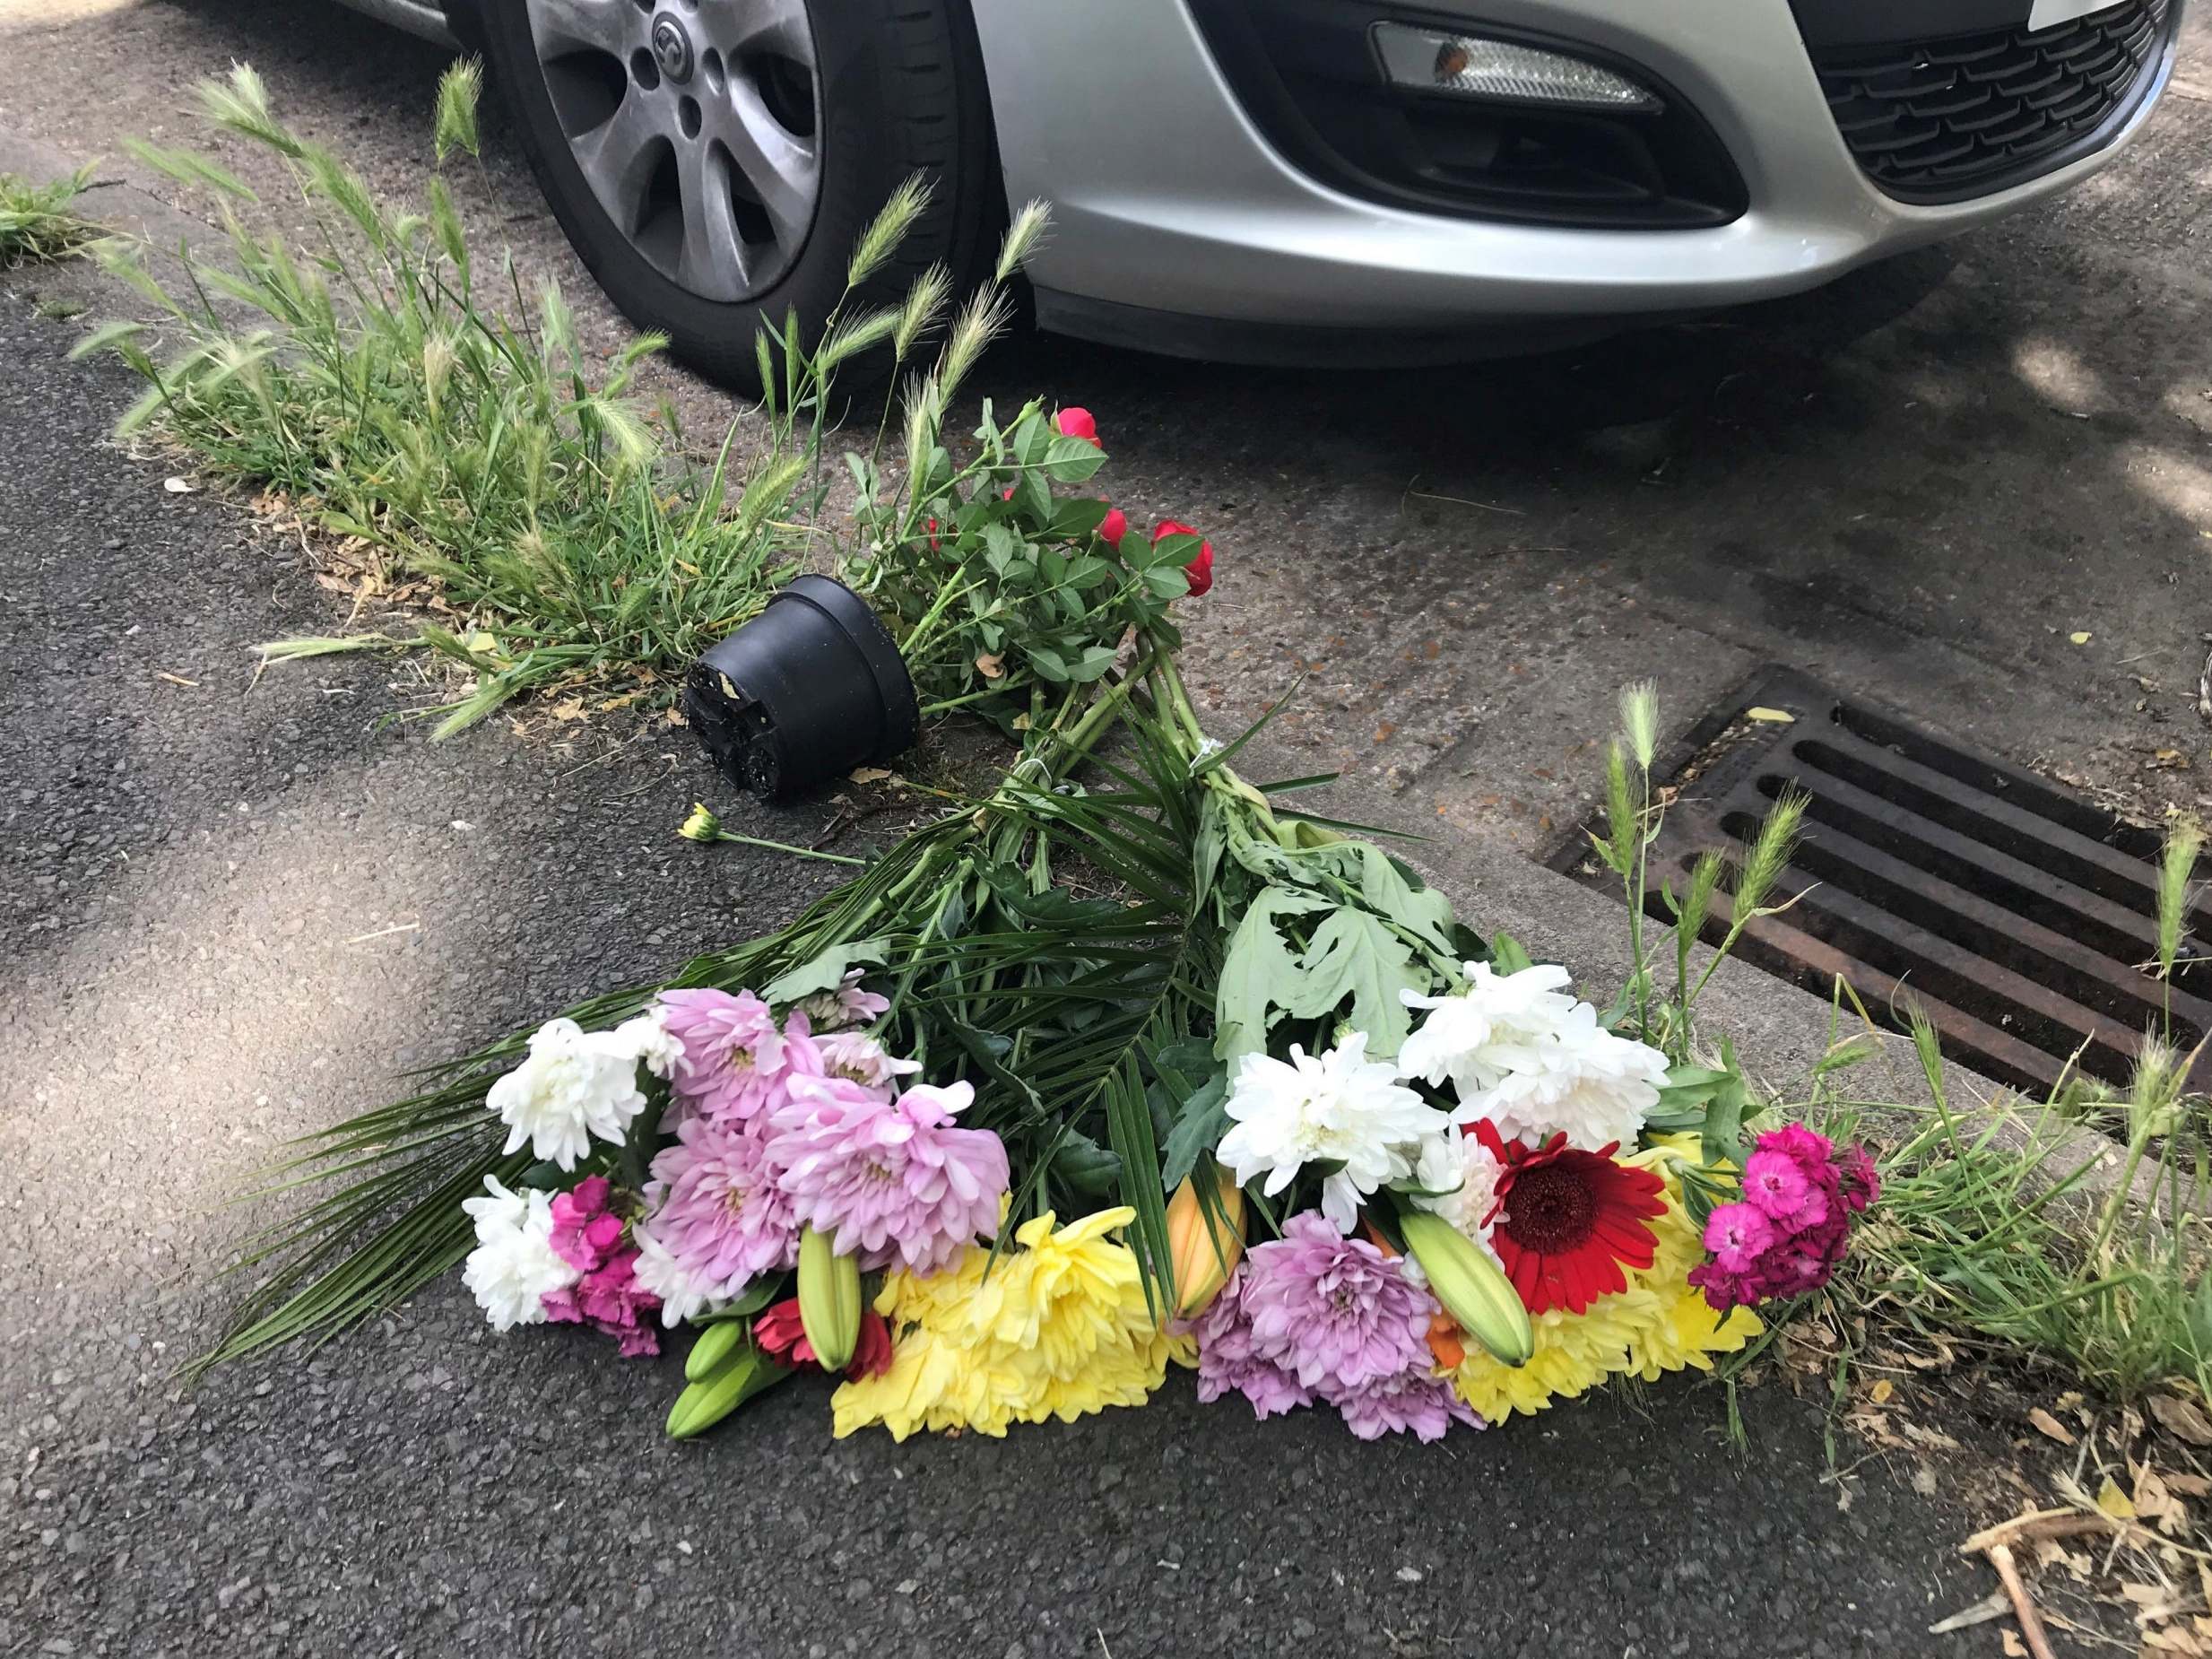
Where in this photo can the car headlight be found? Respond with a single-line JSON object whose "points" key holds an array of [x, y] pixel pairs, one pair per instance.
{"points": [[1440, 61]]}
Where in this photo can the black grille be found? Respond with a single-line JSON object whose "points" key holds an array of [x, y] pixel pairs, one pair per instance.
{"points": [[1937, 120], [2019, 919]]}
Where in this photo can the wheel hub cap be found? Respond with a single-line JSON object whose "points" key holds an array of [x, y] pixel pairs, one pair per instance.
{"points": [[671, 45]]}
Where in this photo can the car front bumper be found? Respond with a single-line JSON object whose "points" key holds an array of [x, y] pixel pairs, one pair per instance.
{"points": [[1169, 202]]}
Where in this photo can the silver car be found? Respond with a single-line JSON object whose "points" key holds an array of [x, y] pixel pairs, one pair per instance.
{"points": [[1298, 180]]}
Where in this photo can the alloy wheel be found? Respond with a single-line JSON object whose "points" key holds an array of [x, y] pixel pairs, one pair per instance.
{"points": [[696, 124]]}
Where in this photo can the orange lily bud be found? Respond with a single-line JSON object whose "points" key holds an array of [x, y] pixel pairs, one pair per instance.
{"points": [[1204, 1249], [1444, 1343]]}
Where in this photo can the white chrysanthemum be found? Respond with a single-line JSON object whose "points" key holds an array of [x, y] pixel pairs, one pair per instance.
{"points": [[648, 1035], [576, 1084], [684, 1295], [1474, 1038], [1579, 1080], [514, 1266], [1338, 1107], [1457, 1180]]}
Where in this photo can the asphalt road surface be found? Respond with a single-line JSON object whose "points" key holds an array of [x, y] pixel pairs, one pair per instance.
{"points": [[228, 913]]}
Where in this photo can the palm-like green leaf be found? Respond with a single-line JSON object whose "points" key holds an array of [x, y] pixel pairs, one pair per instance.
{"points": [[1059, 1024]]}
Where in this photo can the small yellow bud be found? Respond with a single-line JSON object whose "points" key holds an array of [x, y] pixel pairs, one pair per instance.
{"points": [[702, 825], [1204, 1249]]}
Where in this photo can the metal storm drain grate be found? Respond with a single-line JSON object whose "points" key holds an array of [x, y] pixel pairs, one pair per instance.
{"points": [[2020, 918]]}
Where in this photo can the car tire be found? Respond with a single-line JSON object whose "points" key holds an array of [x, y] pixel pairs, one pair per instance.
{"points": [[897, 89]]}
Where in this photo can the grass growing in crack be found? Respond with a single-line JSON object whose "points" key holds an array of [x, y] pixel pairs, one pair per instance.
{"points": [[37, 221], [395, 391], [2000, 1229]]}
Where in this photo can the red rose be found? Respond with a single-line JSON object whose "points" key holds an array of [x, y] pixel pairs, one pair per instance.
{"points": [[932, 535], [1199, 571], [1114, 526], [1078, 424]]}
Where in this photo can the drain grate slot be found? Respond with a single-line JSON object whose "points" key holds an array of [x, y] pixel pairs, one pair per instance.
{"points": [[2019, 919]]}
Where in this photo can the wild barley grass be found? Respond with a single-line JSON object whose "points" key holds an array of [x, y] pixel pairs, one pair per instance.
{"points": [[394, 390], [1997, 1228], [2006, 1230], [37, 221]]}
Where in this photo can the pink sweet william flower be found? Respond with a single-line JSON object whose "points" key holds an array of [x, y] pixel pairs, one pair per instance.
{"points": [[609, 1299], [1861, 1185], [732, 1062], [1791, 1231], [1335, 1312], [1807, 1149], [891, 1180], [716, 1208], [586, 1231], [1785, 1191], [1737, 1235]]}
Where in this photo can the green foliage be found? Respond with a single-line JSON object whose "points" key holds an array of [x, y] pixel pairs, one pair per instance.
{"points": [[1989, 1231], [1000, 594], [394, 394], [38, 222]]}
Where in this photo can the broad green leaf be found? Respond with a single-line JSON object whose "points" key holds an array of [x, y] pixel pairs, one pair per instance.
{"points": [[1722, 1141], [1199, 1128], [1085, 1166], [1071, 460], [825, 971], [1259, 973], [1354, 955], [1072, 520]]}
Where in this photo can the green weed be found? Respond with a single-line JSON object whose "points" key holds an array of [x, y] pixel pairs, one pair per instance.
{"points": [[36, 220]]}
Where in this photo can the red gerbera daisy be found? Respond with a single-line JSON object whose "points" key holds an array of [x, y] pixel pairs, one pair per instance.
{"points": [[1569, 1221]]}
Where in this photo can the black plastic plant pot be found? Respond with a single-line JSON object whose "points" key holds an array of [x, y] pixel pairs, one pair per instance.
{"points": [[807, 691]]}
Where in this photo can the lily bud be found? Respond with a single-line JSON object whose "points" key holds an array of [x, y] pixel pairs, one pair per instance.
{"points": [[1470, 1286], [702, 825], [828, 1300], [1204, 1249]]}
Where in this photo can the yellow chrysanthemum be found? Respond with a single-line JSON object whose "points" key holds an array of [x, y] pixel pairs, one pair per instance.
{"points": [[1573, 1352], [1056, 1328], [1658, 1324]]}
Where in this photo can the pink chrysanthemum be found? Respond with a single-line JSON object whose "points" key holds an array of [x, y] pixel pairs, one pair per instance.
{"points": [[844, 1005], [734, 1058], [889, 1180], [861, 1059], [1227, 1364], [1335, 1312], [717, 1208], [1415, 1400]]}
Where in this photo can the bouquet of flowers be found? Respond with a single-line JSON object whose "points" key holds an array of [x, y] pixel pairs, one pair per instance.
{"points": [[1310, 1133]]}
